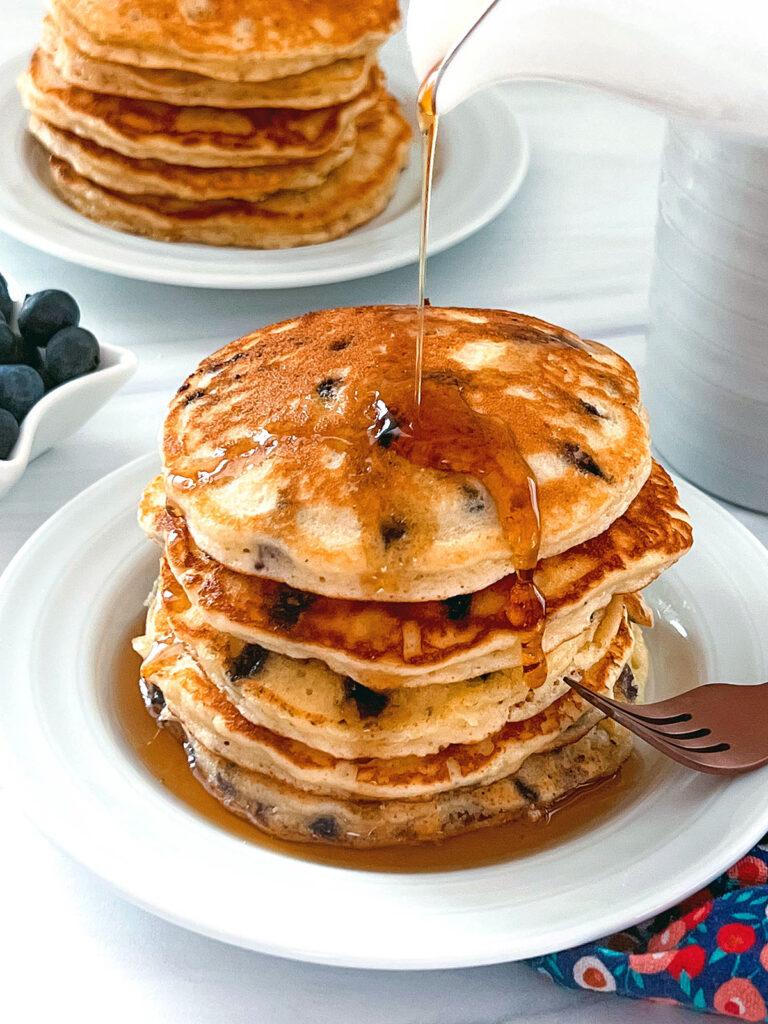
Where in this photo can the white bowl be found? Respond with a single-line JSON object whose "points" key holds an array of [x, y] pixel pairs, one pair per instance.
{"points": [[66, 408]]}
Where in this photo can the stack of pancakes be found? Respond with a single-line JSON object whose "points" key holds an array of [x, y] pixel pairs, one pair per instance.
{"points": [[260, 123], [335, 630]]}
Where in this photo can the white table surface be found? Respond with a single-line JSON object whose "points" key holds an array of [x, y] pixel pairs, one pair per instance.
{"points": [[575, 247]]}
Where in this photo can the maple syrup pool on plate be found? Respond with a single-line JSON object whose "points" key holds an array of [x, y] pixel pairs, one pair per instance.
{"points": [[163, 759]]}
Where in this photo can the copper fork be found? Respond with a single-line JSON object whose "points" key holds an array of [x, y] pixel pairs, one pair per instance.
{"points": [[721, 728]]}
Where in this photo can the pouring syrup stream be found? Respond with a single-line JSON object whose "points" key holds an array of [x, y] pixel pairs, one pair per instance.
{"points": [[428, 120], [507, 475], [427, 113]]}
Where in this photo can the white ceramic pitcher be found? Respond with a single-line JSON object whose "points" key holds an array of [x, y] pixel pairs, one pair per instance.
{"points": [[705, 65]]}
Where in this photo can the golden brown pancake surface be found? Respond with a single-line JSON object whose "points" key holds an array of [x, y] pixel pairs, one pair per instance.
{"points": [[232, 39], [350, 195], [198, 136], [268, 449], [306, 700], [317, 87], [210, 716], [128, 175]]}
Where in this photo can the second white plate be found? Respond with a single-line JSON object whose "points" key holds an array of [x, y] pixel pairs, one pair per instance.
{"points": [[66, 602], [482, 160]]}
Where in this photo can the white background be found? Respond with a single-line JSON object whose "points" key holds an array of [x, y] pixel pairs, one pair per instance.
{"points": [[575, 247]]}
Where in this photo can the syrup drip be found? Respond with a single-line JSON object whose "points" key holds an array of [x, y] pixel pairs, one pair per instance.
{"points": [[445, 433], [428, 120], [164, 651], [478, 446], [428, 124], [226, 460], [166, 648]]}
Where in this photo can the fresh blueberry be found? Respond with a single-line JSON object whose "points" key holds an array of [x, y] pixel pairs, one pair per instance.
{"points": [[45, 313], [20, 388], [71, 352], [9, 432], [6, 303], [10, 345]]}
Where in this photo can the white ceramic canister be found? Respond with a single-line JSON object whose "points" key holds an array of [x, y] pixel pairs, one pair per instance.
{"points": [[706, 381]]}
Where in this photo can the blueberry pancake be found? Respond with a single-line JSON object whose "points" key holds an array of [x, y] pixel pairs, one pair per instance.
{"points": [[307, 701], [366, 620], [385, 644], [306, 499], [208, 717], [294, 814]]}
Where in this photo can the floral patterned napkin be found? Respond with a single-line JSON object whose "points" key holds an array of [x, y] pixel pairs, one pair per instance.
{"points": [[709, 954]]}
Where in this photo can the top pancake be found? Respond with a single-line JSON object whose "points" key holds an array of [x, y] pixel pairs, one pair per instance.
{"points": [[318, 87], [235, 40], [267, 449]]}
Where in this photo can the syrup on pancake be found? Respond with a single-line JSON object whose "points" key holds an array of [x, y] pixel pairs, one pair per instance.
{"points": [[442, 432]]}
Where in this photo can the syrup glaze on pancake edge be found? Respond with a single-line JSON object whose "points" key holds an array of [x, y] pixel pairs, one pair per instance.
{"points": [[306, 700]]}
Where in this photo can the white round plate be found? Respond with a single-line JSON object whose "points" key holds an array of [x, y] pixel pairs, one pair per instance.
{"points": [[66, 602], [482, 160]]}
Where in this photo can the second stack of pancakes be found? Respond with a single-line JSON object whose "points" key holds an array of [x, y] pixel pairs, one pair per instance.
{"points": [[255, 123], [335, 631]]}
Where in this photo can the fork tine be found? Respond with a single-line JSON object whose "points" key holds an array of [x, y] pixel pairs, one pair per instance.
{"points": [[701, 737], [604, 704], [682, 729], [620, 713], [712, 757], [690, 758], [687, 707], [650, 713], [710, 715], [659, 716], [709, 754], [682, 734], [639, 713], [708, 759], [653, 715]]}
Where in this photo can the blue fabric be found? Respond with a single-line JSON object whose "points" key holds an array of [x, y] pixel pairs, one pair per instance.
{"points": [[709, 954]]}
